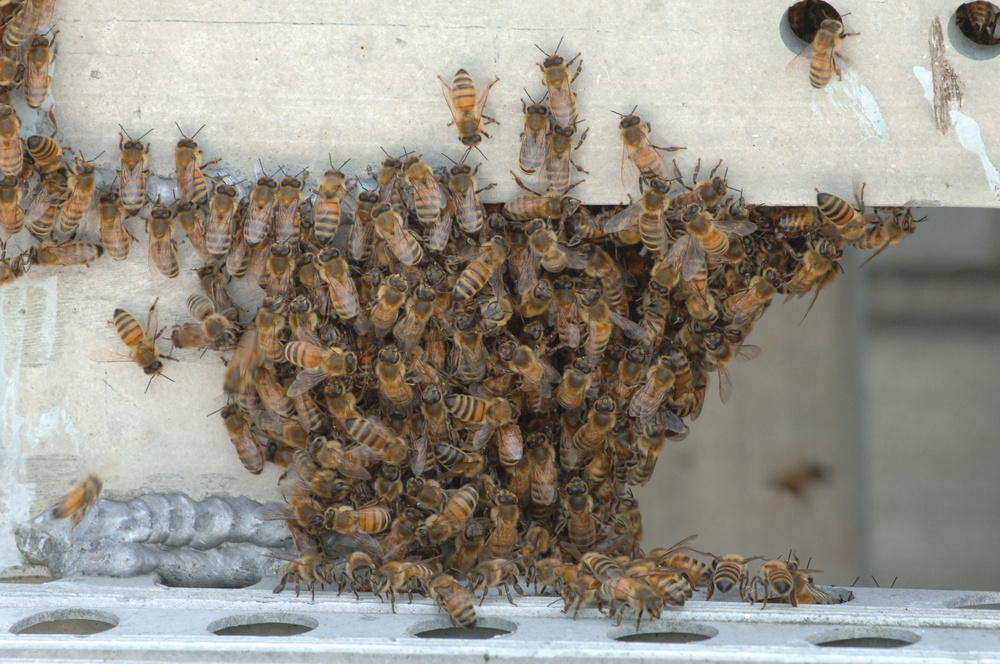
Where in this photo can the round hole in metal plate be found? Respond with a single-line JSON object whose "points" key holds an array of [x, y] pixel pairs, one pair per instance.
{"points": [[667, 634], [864, 637], [486, 628], [263, 624], [76, 622]]}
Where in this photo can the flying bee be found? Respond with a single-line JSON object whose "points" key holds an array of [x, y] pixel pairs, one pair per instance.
{"points": [[419, 309], [403, 244], [395, 394], [533, 138], [141, 342], [210, 329], [317, 362], [260, 215], [547, 252], [558, 150], [558, 80], [798, 478], [287, 222], [642, 154], [11, 154], [133, 159], [36, 78], [466, 107], [551, 205], [455, 600], [247, 447], [187, 167], [382, 439], [219, 224], [826, 45], [40, 216], [390, 299], [429, 197], [78, 500], [162, 250], [600, 319], [576, 380], [535, 374], [498, 573], [459, 507], [647, 401], [478, 272]]}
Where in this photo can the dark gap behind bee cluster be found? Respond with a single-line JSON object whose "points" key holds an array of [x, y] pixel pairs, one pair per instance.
{"points": [[459, 391]]}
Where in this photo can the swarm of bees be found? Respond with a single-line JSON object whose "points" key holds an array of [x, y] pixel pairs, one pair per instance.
{"points": [[461, 390]]}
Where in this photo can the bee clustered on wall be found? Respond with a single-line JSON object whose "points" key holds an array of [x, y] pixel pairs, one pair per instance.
{"points": [[459, 390]]}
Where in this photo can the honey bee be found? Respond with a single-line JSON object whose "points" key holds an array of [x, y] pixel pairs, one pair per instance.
{"points": [[728, 572], [459, 507], [403, 244], [398, 577], [468, 546], [466, 107], [978, 21], [82, 185], [357, 572], [219, 224], [826, 44], [499, 416], [133, 159], [36, 79], [630, 374], [455, 600], [41, 213], [28, 18], [547, 252], [115, 238], [551, 205], [706, 193], [11, 214], [478, 272], [247, 447], [637, 594], [11, 268], [746, 306], [887, 230], [558, 80], [330, 453], [333, 269], [645, 404], [429, 197], [457, 462], [210, 329], [390, 299], [642, 154], [567, 312], [775, 576], [468, 209], [260, 215], [332, 203], [841, 214], [374, 434], [498, 573], [535, 374], [395, 394], [51, 254], [308, 570], [795, 221], [191, 218], [372, 519], [162, 250], [533, 138], [141, 342], [190, 180], [604, 268], [287, 222], [807, 593], [361, 230], [599, 319], [410, 329], [11, 72], [45, 153], [78, 500], [316, 362], [648, 448], [271, 320], [580, 522], [537, 300], [674, 588], [558, 151], [695, 570], [798, 478], [11, 154], [542, 464], [646, 216], [576, 380], [580, 446]]}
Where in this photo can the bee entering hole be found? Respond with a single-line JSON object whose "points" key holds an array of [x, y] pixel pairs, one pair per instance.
{"points": [[978, 22], [804, 18]]}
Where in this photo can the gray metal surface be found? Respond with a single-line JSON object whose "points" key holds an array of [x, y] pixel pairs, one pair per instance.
{"points": [[151, 622]]}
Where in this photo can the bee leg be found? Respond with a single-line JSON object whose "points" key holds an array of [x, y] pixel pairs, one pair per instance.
{"points": [[392, 598], [638, 620], [489, 120]]}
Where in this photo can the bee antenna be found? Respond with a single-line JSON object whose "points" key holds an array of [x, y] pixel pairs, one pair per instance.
{"points": [[125, 131], [621, 115], [344, 164], [481, 153], [449, 159], [466, 154], [542, 50], [179, 129], [199, 131], [559, 44], [384, 152], [632, 112], [529, 96]]}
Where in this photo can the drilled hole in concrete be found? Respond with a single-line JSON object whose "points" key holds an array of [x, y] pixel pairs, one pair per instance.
{"points": [[804, 18], [486, 628], [263, 624], [226, 583], [683, 632], [29, 579], [974, 35], [860, 637], [77, 622]]}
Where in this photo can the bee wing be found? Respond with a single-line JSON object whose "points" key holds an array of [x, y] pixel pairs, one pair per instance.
{"points": [[469, 211], [440, 233], [131, 180], [510, 440], [745, 352], [361, 234], [668, 420], [275, 512], [574, 259], [446, 90], [799, 65], [345, 292], [529, 272], [735, 227], [350, 468], [350, 542], [429, 191], [693, 256], [742, 307], [108, 355], [348, 204], [725, 385], [644, 402], [483, 436], [631, 329], [162, 258], [481, 99], [627, 219], [305, 380], [402, 248], [418, 458], [549, 373], [532, 151]]}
